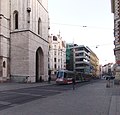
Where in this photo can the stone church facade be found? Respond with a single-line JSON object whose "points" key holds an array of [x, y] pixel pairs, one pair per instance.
{"points": [[24, 28]]}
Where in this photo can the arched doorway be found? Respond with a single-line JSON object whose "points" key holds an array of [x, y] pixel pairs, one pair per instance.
{"points": [[39, 64]]}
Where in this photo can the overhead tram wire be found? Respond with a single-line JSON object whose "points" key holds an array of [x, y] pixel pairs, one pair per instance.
{"points": [[97, 46], [72, 25], [54, 23], [83, 26]]}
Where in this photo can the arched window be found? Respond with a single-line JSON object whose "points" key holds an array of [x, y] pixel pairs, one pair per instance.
{"points": [[15, 19], [4, 64], [39, 26]]}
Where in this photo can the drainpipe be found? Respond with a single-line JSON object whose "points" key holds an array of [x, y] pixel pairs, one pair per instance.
{"points": [[10, 42], [28, 14], [28, 23]]}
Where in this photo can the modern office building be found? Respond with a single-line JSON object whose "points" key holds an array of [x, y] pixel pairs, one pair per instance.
{"points": [[24, 40], [78, 58], [115, 8], [57, 54], [82, 59]]}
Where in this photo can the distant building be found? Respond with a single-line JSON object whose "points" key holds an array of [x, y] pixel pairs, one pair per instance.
{"points": [[69, 57], [115, 8], [107, 69], [24, 40], [79, 59], [94, 61], [82, 59], [57, 53]]}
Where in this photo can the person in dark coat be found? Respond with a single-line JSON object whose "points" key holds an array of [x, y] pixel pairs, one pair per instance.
{"points": [[40, 78], [108, 81], [49, 78], [73, 83]]}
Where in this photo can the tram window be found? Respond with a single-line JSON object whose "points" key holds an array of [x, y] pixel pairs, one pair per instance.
{"points": [[60, 74], [70, 75], [77, 77]]}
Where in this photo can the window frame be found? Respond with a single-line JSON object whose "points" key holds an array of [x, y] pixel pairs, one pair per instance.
{"points": [[39, 26], [16, 18]]}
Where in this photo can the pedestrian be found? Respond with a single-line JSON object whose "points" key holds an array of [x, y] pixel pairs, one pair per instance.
{"points": [[108, 81], [112, 80], [40, 78], [73, 83], [49, 78]]}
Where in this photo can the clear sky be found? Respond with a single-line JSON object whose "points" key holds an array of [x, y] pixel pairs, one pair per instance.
{"points": [[86, 22]]}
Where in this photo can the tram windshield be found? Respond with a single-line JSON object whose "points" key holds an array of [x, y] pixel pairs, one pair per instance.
{"points": [[60, 74]]}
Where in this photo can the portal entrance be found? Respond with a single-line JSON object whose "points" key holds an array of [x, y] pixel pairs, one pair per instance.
{"points": [[39, 64]]}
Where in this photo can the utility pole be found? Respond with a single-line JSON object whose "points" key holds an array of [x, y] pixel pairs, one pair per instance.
{"points": [[73, 56]]}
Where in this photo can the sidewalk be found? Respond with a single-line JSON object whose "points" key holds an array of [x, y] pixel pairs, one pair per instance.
{"points": [[11, 86], [115, 101]]}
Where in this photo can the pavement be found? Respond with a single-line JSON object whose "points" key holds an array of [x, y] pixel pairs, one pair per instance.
{"points": [[12, 86], [90, 99]]}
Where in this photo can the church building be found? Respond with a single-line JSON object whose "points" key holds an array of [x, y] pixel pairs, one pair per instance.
{"points": [[24, 27]]}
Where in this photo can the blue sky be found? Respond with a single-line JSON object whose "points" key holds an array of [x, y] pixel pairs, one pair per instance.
{"points": [[70, 16]]}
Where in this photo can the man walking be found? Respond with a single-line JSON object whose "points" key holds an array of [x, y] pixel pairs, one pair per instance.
{"points": [[73, 83], [49, 78], [108, 81]]}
